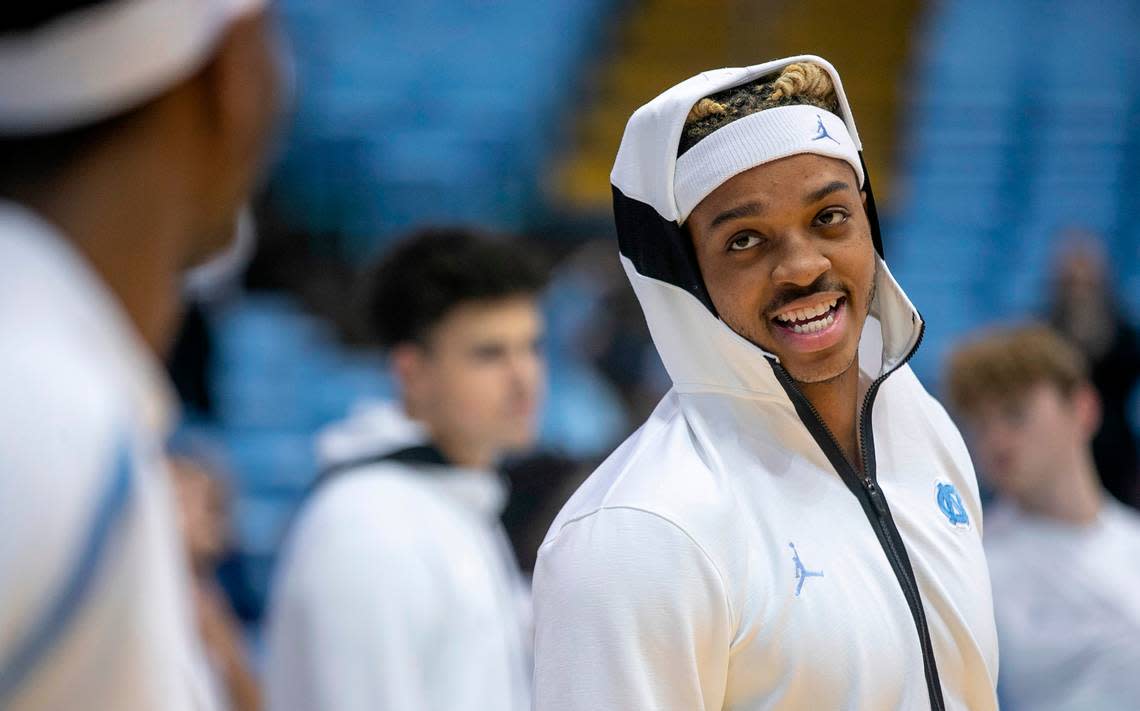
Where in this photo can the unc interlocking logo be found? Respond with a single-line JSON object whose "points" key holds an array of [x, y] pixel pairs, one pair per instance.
{"points": [[802, 573], [951, 505], [821, 131]]}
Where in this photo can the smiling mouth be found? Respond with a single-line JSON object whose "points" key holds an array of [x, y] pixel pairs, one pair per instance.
{"points": [[810, 320]]}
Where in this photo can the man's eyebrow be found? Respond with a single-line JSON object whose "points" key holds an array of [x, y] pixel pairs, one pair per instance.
{"points": [[832, 187], [748, 209]]}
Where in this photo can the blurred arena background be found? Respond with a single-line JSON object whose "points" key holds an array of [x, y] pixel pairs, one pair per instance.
{"points": [[993, 130]]}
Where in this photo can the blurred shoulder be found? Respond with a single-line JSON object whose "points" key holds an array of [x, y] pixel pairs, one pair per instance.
{"points": [[380, 512], [63, 420], [657, 479]]}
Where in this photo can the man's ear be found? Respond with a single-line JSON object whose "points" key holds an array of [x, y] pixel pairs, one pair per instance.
{"points": [[863, 196], [242, 78], [239, 94], [1087, 406], [408, 362]]}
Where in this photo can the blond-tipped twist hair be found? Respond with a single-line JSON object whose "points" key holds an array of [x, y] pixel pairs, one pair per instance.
{"points": [[800, 83]]}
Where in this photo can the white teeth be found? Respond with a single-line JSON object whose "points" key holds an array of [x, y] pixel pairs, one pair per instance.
{"points": [[814, 326], [808, 313]]}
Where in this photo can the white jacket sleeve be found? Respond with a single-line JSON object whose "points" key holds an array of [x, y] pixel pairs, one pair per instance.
{"points": [[354, 625], [630, 613], [95, 612]]}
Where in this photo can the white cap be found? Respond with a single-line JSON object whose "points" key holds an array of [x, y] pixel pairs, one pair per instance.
{"points": [[94, 63]]}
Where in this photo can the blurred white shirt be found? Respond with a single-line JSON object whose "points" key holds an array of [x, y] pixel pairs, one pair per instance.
{"points": [[398, 589], [96, 612], [1067, 603]]}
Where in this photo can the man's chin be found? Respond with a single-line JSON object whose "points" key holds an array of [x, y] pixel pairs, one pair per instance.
{"points": [[828, 371], [519, 440]]}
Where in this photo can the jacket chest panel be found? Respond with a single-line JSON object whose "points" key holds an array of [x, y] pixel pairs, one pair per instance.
{"points": [[825, 617], [938, 517]]}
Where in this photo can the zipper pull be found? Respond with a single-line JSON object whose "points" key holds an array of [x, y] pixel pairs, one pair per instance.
{"points": [[876, 496]]}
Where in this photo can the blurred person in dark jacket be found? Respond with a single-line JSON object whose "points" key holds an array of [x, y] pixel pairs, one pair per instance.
{"points": [[1086, 311], [1062, 554]]}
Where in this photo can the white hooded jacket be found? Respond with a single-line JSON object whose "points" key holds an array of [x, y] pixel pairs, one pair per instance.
{"points": [[727, 555], [397, 589]]}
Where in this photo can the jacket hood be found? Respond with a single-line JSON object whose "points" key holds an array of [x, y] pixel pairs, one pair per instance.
{"points": [[372, 427], [375, 430], [700, 352]]}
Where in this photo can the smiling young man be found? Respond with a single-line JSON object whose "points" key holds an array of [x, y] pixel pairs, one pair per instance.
{"points": [[797, 525]]}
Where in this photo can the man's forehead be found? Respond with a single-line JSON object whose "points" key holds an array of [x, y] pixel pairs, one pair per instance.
{"points": [[493, 318], [1020, 396]]}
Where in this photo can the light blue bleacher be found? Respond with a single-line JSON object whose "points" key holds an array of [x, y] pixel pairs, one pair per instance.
{"points": [[426, 112], [1023, 122], [280, 376]]}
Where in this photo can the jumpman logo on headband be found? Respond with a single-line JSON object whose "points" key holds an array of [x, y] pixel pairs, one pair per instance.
{"points": [[821, 130], [802, 573]]}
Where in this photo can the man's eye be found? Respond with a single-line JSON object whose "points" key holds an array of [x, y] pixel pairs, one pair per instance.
{"points": [[488, 353], [831, 218], [742, 241]]}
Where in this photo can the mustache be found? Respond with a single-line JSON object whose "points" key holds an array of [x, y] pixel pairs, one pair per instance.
{"points": [[791, 293]]}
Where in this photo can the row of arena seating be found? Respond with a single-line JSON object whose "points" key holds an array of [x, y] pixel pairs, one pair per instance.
{"points": [[438, 111], [1024, 119]]}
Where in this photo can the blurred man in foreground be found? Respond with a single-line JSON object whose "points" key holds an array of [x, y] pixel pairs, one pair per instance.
{"points": [[130, 133], [1062, 554], [398, 588]]}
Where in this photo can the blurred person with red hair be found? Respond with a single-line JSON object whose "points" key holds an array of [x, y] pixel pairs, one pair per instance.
{"points": [[131, 132], [1062, 553]]}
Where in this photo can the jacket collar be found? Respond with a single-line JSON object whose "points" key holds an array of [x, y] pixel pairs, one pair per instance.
{"points": [[380, 432]]}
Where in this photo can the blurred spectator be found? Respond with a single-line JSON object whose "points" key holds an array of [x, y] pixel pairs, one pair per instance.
{"points": [[1086, 311], [203, 510], [130, 134], [398, 588], [1062, 555]]}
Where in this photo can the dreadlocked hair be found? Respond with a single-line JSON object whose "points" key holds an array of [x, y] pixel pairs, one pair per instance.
{"points": [[800, 83]]}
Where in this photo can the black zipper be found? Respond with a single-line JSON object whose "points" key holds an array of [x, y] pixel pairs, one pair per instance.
{"points": [[874, 503]]}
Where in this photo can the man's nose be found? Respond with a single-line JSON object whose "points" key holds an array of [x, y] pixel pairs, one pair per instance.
{"points": [[526, 369], [801, 261]]}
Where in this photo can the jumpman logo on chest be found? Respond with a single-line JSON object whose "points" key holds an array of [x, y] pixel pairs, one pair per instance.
{"points": [[802, 573]]}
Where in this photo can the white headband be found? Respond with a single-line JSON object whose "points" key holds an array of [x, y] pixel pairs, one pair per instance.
{"points": [[756, 139], [94, 63]]}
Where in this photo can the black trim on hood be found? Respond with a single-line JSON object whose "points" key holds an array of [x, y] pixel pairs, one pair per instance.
{"points": [[872, 210], [659, 248], [420, 454]]}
